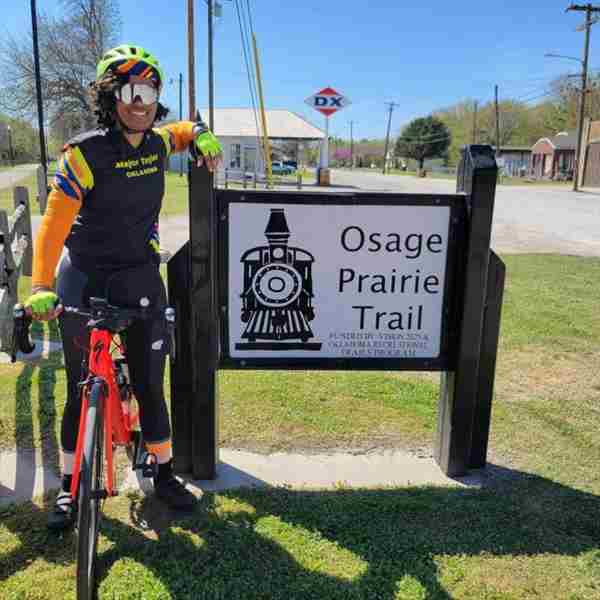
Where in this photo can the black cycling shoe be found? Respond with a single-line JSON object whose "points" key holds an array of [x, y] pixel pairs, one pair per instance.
{"points": [[174, 493], [63, 515]]}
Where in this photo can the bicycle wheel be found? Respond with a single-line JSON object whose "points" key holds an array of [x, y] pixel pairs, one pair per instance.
{"points": [[91, 486]]}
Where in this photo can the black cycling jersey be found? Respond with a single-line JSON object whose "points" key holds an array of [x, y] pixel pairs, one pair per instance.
{"points": [[120, 209]]}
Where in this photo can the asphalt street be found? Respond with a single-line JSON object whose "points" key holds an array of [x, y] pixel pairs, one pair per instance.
{"points": [[12, 176], [531, 219]]}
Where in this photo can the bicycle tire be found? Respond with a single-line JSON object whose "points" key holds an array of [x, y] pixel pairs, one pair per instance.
{"points": [[90, 482]]}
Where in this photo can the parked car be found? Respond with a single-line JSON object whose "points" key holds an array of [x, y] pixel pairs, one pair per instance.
{"points": [[291, 163], [278, 168]]}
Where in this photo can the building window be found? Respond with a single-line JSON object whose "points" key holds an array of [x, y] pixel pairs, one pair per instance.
{"points": [[236, 156]]}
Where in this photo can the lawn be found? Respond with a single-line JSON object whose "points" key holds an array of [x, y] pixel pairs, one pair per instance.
{"points": [[176, 191], [531, 531], [30, 182]]}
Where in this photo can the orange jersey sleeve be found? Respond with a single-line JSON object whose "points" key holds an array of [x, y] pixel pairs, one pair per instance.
{"points": [[180, 133], [72, 181]]}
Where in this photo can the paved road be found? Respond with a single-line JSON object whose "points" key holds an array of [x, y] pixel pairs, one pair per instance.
{"points": [[13, 176], [547, 219]]}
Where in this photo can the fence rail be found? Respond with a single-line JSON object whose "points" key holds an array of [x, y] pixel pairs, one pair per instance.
{"points": [[16, 253], [248, 180]]}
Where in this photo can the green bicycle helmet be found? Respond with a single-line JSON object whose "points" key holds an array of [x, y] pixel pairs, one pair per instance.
{"points": [[130, 60]]}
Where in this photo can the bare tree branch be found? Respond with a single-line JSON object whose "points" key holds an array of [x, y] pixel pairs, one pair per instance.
{"points": [[70, 48]]}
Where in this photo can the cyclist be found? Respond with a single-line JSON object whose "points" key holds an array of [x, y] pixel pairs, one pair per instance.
{"points": [[103, 207]]}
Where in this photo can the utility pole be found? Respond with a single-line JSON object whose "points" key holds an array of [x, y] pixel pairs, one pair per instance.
{"points": [[351, 146], [191, 62], [180, 118], [474, 137], [38, 86], [497, 121], [10, 147], [588, 9], [211, 82], [391, 106], [266, 144]]}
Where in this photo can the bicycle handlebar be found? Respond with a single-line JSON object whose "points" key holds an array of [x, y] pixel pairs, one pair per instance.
{"points": [[99, 313], [21, 340]]}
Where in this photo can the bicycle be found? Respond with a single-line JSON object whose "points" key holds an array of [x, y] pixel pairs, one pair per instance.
{"points": [[107, 419]]}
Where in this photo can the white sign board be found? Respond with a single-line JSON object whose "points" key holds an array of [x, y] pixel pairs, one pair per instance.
{"points": [[328, 101], [336, 281]]}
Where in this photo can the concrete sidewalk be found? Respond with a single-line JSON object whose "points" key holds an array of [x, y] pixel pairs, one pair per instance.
{"points": [[26, 474], [23, 476]]}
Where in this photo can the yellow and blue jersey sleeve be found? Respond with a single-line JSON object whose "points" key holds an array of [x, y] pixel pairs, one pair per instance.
{"points": [[72, 181], [177, 136], [73, 176]]}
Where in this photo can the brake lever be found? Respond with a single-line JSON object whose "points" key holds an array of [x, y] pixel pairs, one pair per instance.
{"points": [[21, 340]]}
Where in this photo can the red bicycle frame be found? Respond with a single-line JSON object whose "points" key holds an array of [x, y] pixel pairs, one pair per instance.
{"points": [[117, 424]]}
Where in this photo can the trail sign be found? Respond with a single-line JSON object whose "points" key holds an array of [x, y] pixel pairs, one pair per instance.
{"points": [[327, 101]]}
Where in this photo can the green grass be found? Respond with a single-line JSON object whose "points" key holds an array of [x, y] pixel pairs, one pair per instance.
{"points": [[6, 195], [30, 182], [175, 201], [550, 325], [531, 531], [524, 537]]}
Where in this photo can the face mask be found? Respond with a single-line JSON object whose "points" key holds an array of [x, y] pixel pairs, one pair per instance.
{"points": [[130, 92]]}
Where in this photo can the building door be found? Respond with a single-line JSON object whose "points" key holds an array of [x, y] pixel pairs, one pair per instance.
{"points": [[591, 175], [249, 159]]}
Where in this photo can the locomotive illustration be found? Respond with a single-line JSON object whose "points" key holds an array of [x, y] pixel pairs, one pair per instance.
{"points": [[278, 292]]}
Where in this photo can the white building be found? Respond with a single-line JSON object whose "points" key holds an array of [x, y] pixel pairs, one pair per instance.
{"points": [[236, 129]]}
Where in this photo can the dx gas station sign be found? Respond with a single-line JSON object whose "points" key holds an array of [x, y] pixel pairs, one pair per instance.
{"points": [[327, 101]]}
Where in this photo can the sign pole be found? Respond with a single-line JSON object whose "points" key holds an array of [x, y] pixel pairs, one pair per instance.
{"points": [[460, 395], [325, 148], [327, 102], [192, 280]]}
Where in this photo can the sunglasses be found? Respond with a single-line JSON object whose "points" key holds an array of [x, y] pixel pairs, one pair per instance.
{"points": [[130, 92]]}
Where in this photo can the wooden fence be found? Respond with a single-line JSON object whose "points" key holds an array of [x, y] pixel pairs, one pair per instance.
{"points": [[16, 251]]}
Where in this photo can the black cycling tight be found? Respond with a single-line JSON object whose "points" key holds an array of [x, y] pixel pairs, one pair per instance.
{"points": [[147, 342]]}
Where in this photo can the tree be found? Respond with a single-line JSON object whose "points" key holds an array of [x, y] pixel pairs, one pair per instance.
{"points": [[24, 140], [70, 48], [423, 138]]}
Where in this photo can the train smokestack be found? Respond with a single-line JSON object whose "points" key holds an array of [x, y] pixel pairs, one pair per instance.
{"points": [[277, 230]]}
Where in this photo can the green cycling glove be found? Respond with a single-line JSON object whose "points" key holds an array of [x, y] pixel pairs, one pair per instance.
{"points": [[208, 144], [42, 303]]}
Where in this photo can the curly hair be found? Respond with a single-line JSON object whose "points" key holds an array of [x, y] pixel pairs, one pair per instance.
{"points": [[104, 103]]}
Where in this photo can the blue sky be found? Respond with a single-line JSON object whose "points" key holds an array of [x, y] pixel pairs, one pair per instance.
{"points": [[423, 55]]}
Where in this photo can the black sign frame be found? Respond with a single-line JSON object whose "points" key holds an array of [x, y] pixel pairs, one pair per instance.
{"points": [[452, 286]]}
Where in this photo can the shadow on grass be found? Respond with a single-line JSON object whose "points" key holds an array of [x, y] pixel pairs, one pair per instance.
{"points": [[257, 543], [46, 415]]}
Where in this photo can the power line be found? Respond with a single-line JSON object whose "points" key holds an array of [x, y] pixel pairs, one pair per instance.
{"points": [[249, 67], [588, 9]]}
